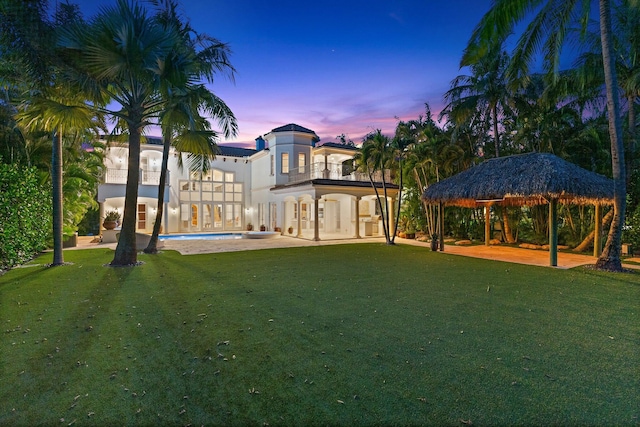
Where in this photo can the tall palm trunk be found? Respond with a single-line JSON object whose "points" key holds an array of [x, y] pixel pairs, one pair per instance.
{"points": [[610, 258], [152, 247], [126, 252], [385, 213], [56, 181], [496, 136], [373, 184], [506, 228], [632, 137], [397, 217]]}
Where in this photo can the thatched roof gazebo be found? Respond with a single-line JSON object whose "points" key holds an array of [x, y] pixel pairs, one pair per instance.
{"points": [[525, 179]]}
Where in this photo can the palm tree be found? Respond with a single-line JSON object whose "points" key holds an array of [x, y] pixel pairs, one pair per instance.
{"points": [[189, 133], [58, 113], [400, 145], [626, 44], [48, 103], [126, 55], [546, 32], [201, 57], [482, 95], [374, 158]]}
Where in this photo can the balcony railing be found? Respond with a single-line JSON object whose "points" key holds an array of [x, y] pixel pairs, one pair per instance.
{"points": [[335, 171], [119, 176]]}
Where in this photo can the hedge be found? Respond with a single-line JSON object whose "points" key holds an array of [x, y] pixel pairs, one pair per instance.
{"points": [[25, 215]]}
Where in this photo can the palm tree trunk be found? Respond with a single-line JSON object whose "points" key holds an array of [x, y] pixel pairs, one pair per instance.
{"points": [[56, 181], [586, 242], [610, 257], [385, 213], [496, 136], [126, 252], [506, 228], [632, 137], [373, 184], [152, 247], [397, 218]]}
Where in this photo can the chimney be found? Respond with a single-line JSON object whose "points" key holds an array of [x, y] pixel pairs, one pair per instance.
{"points": [[260, 143]]}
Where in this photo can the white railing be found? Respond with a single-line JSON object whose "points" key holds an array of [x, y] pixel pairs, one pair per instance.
{"points": [[119, 176], [333, 171]]}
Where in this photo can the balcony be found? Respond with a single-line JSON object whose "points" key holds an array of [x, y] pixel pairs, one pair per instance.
{"points": [[336, 171], [119, 176]]}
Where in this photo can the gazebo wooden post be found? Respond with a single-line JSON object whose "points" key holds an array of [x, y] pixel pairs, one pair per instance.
{"points": [[553, 232], [487, 224], [441, 225], [597, 232]]}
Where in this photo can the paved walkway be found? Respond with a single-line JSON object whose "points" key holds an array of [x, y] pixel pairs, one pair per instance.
{"points": [[496, 253]]}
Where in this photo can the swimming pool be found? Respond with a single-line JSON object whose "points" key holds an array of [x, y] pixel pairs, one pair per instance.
{"points": [[201, 236]]}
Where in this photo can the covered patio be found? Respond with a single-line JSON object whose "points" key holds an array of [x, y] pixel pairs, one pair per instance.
{"points": [[326, 209], [525, 179]]}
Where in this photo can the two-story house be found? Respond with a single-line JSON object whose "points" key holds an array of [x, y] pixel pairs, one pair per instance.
{"points": [[288, 182]]}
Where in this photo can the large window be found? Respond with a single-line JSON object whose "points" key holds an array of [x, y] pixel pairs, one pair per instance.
{"points": [[302, 162], [284, 167], [213, 203]]}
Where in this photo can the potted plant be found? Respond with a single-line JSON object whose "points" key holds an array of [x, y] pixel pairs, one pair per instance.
{"points": [[410, 229], [290, 230], [249, 227], [111, 220], [263, 227]]}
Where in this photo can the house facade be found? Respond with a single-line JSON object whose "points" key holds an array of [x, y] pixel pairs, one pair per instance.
{"points": [[288, 183]]}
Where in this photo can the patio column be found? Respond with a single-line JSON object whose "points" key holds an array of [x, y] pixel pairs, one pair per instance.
{"points": [[100, 227], [316, 226], [357, 212], [325, 172], [597, 232], [165, 217], [553, 232], [487, 224], [441, 225], [299, 232]]}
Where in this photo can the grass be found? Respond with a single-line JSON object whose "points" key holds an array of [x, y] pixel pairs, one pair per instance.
{"points": [[356, 334]]}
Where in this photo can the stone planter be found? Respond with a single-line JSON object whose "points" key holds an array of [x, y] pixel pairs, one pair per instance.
{"points": [[109, 225]]}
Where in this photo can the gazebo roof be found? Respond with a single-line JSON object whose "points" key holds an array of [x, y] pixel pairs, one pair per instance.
{"points": [[524, 179]]}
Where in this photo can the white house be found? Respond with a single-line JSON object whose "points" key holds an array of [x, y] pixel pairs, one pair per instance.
{"points": [[288, 183]]}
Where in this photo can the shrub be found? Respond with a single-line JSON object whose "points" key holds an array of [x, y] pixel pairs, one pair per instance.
{"points": [[25, 215], [631, 231]]}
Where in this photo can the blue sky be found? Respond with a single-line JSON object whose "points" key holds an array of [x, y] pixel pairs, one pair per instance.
{"points": [[334, 66]]}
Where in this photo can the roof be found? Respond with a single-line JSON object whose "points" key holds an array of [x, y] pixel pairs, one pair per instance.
{"points": [[338, 145], [338, 183], [231, 151], [292, 127], [525, 179], [224, 150]]}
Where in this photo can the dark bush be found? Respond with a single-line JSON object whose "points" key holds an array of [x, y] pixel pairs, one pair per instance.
{"points": [[25, 215]]}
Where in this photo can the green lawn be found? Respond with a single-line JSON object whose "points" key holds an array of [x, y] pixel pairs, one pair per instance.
{"points": [[355, 334]]}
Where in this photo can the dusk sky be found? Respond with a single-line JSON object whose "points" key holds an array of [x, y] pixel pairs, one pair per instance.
{"points": [[334, 66]]}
